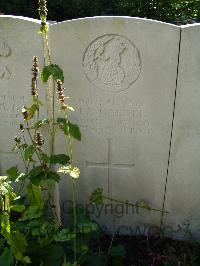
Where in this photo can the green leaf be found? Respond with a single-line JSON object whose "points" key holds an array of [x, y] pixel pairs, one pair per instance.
{"points": [[37, 174], [12, 173], [31, 110], [70, 170], [28, 152], [61, 120], [97, 258], [53, 70], [82, 216], [64, 262], [144, 205], [5, 225], [97, 196], [73, 129], [18, 208], [7, 259], [18, 244], [118, 251], [44, 157], [6, 189], [2, 245], [36, 171], [63, 235], [52, 255], [60, 159], [84, 223], [26, 260], [21, 177], [32, 212], [69, 264], [41, 123], [24, 146], [47, 184], [34, 195], [88, 227], [83, 249], [53, 175]]}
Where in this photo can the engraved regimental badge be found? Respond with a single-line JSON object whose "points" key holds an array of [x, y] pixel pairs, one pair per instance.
{"points": [[112, 63]]}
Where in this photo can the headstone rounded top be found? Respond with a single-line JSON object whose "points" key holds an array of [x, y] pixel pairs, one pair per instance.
{"points": [[112, 63]]}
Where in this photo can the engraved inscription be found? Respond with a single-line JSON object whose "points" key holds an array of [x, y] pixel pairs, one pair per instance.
{"points": [[10, 109], [5, 73], [112, 63], [111, 117], [5, 50]]}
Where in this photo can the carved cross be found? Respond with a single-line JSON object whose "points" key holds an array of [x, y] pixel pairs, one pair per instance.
{"points": [[109, 164]]}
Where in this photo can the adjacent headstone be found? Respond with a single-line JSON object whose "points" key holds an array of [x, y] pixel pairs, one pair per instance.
{"points": [[182, 196], [120, 74], [19, 42]]}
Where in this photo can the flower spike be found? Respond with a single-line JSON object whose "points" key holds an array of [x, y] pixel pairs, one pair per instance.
{"points": [[35, 71], [43, 9]]}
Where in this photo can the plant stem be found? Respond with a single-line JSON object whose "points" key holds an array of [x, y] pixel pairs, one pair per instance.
{"points": [[109, 249], [53, 119], [26, 167], [73, 183], [74, 212], [50, 99], [69, 139], [132, 204], [47, 55], [52, 207], [22, 182], [38, 114], [46, 42], [20, 187], [33, 143]]}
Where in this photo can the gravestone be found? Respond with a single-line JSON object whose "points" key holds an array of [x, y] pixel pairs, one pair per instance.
{"points": [[122, 79], [120, 74], [19, 42], [182, 196]]}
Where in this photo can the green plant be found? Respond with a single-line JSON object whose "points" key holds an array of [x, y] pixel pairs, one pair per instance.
{"points": [[30, 221], [30, 216], [98, 198], [31, 232]]}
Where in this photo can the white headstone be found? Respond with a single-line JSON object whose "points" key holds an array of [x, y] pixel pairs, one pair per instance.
{"points": [[182, 197], [120, 74], [19, 42]]}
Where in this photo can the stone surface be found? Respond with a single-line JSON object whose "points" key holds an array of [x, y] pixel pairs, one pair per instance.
{"points": [[182, 197], [120, 74], [19, 42]]}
